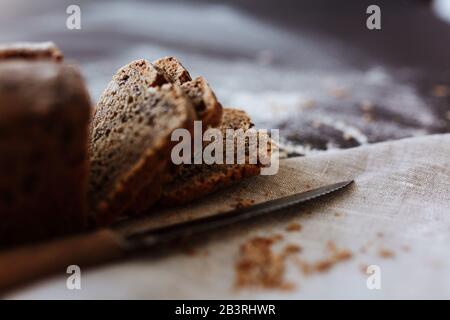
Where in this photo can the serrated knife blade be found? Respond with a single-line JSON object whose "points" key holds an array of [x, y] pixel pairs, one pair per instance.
{"points": [[26, 264], [169, 233]]}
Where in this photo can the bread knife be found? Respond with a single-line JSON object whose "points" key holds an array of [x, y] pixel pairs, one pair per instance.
{"points": [[26, 264]]}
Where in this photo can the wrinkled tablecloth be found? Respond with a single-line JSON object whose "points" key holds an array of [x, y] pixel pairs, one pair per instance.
{"points": [[396, 216]]}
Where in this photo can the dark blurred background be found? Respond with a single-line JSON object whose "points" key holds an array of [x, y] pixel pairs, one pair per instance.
{"points": [[310, 68]]}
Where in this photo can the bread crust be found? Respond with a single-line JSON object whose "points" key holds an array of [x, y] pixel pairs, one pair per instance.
{"points": [[31, 51], [205, 183]]}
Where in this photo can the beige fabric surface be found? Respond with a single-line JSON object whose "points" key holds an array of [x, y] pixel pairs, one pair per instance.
{"points": [[400, 204]]}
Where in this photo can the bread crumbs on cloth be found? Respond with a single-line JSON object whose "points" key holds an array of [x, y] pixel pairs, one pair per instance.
{"points": [[323, 265], [294, 226], [259, 267], [386, 253], [243, 203]]}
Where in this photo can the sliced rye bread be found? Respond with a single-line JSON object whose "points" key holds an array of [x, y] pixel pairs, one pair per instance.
{"points": [[194, 181], [208, 108], [44, 118], [31, 51], [130, 137]]}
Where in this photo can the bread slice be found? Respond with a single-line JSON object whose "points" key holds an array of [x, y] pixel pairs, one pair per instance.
{"points": [[31, 51], [44, 117], [208, 108], [174, 71], [194, 181], [130, 137]]}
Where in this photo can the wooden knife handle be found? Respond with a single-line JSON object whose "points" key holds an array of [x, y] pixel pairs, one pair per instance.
{"points": [[26, 264]]}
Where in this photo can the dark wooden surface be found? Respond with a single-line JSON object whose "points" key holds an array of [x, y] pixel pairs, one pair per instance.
{"points": [[310, 68]]}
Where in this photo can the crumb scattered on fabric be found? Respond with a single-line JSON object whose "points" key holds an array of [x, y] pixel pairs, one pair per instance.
{"points": [[287, 286], [406, 248], [331, 246], [385, 253], [294, 226], [276, 237], [243, 203], [440, 91], [292, 249], [366, 246], [193, 252], [259, 266], [322, 265], [363, 268], [337, 214], [380, 235]]}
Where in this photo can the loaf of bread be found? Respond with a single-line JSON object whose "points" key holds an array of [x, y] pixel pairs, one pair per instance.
{"points": [[194, 181], [44, 117], [130, 138], [31, 51]]}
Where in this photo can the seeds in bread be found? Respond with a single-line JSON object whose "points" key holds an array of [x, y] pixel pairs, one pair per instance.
{"points": [[31, 51], [44, 117], [131, 131]]}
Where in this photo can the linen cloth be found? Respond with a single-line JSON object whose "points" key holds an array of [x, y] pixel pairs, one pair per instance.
{"points": [[396, 216]]}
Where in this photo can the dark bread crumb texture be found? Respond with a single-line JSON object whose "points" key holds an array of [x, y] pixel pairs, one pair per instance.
{"points": [[131, 132], [193, 181]]}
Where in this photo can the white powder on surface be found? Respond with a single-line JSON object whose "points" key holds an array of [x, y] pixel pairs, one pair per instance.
{"points": [[270, 72]]}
